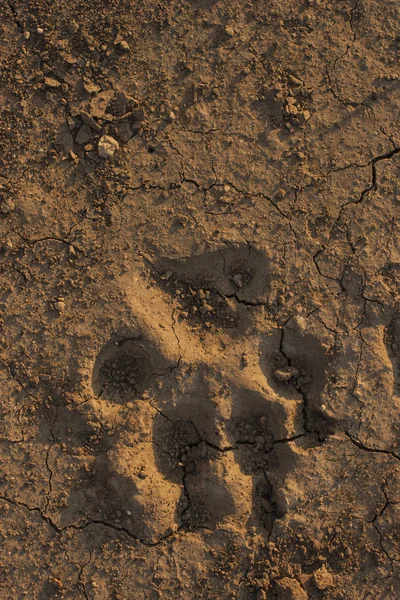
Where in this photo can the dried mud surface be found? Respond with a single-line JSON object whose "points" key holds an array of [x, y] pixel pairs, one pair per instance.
{"points": [[199, 300]]}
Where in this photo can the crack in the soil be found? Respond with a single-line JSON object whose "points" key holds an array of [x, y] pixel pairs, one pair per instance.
{"points": [[80, 576], [374, 523], [359, 444], [372, 186], [353, 12], [15, 16], [175, 334], [303, 395], [92, 522], [374, 177], [243, 578]]}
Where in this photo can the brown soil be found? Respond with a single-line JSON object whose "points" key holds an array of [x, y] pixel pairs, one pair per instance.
{"points": [[199, 299]]}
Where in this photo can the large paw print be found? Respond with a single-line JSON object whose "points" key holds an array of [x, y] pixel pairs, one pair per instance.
{"points": [[190, 410], [198, 445]]}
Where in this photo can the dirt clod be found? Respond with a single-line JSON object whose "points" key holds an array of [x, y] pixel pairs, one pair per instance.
{"points": [[290, 589], [107, 146], [286, 373], [323, 578]]}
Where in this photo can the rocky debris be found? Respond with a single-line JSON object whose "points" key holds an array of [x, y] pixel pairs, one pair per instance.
{"points": [[84, 135], [294, 98], [100, 103], [124, 46], [7, 205], [124, 132], [52, 83], [286, 373], [206, 308], [73, 156], [107, 146], [293, 110], [123, 104], [138, 114], [59, 304], [322, 578], [65, 141], [57, 583], [294, 80], [288, 588], [90, 87], [304, 116], [88, 120], [231, 307], [238, 280]]}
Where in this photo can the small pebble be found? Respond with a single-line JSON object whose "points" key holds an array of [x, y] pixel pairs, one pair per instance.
{"points": [[59, 304], [206, 308], [238, 280], [51, 82], [107, 146], [123, 45], [286, 373], [57, 583], [294, 80], [7, 206]]}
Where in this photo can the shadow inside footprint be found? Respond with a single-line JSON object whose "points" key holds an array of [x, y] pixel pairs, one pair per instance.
{"points": [[252, 428], [124, 369], [173, 439], [295, 364], [208, 499], [306, 370], [217, 288], [184, 454]]}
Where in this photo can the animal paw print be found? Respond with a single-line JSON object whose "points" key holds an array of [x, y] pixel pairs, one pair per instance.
{"points": [[185, 425]]}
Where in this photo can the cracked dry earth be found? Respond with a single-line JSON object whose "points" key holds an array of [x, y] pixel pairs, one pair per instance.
{"points": [[200, 319]]}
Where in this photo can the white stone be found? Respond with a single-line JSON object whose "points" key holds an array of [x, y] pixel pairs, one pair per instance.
{"points": [[107, 146]]}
